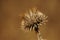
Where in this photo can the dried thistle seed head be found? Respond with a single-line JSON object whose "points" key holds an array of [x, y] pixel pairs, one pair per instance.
{"points": [[32, 19]]}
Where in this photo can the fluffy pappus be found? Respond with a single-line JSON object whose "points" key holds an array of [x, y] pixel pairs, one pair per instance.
{"points": [[33, 19]]}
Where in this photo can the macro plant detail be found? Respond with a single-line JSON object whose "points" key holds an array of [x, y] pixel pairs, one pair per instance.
{"points": [[32, 20]]}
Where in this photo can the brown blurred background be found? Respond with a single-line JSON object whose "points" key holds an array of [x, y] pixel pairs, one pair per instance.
{"points": [[11, 12]]}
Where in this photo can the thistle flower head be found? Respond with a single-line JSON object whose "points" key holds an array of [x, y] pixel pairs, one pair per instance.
{"points": [[33, 19]]}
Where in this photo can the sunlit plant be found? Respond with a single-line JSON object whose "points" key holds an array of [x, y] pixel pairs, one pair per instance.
{"points": [[32, 20]]}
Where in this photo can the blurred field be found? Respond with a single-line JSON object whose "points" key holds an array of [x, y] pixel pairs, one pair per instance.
{"points": [[12, 11]]}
